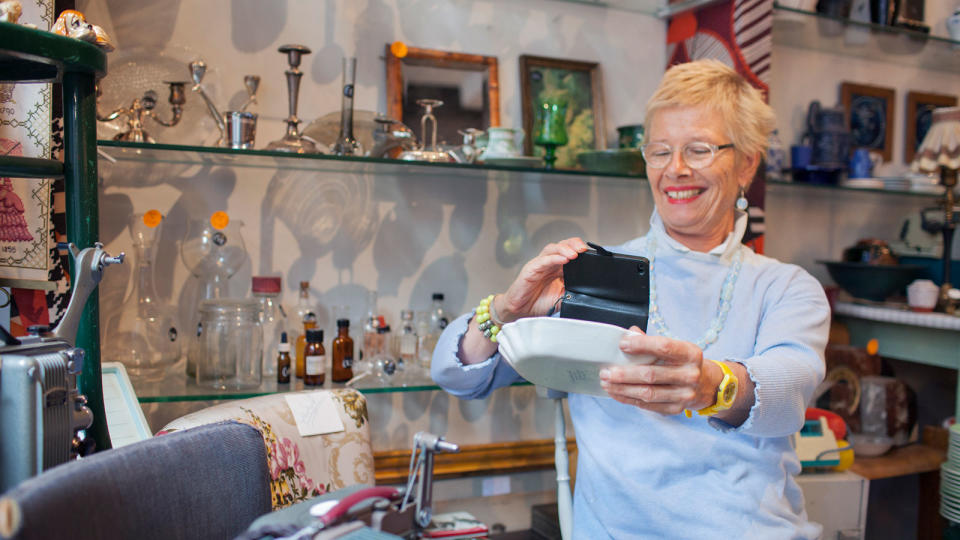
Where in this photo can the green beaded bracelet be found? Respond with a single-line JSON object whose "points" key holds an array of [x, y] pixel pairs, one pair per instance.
{"points": [[484, 322]]}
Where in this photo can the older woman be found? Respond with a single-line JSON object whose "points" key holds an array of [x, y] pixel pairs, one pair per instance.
{"points": [[739, 338]]}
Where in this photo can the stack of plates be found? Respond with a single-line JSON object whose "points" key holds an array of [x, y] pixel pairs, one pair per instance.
{"points": [[950, 478], [863, 183], [926, 183], [897, 183]]}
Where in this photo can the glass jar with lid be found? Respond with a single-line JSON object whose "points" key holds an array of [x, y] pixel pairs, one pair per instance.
{"points": [[230, 343]]}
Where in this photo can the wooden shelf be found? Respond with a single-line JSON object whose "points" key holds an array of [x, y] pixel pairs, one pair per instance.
{"points": [[911, 459], [392, 466]]}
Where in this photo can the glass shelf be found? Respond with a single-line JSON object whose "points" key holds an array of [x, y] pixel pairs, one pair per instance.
{"points": [[817, 31], [657, 8], [775, 184], [176, 387], [268, 159]]}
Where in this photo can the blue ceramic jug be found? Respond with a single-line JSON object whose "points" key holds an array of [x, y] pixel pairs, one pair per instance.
{"points": [[828, 136]]}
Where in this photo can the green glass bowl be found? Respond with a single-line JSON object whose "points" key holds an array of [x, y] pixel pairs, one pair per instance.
{"points": [[621, 161]]}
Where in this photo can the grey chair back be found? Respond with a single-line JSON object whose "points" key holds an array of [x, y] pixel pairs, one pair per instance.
{"points": [[209, 482]]}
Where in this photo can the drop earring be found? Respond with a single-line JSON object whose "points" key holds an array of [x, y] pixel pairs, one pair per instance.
{"points": [[742, 203]]}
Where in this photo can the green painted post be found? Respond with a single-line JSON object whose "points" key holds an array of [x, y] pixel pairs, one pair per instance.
{"points": [[80, 148]]}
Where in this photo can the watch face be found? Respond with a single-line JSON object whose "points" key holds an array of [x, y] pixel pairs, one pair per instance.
{"points": [[729, 393]]}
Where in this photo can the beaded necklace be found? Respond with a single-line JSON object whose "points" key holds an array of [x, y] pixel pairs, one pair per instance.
{"points": [[723, 305]]}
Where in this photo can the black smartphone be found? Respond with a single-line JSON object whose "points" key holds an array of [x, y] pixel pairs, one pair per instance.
{"points": [[607, 287]]}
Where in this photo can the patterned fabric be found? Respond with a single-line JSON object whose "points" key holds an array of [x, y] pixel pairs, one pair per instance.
{"points": [[738, 33], [300, 467]]}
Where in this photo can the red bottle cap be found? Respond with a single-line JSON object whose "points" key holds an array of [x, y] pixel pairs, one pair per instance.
{"points": [[267, 284]]}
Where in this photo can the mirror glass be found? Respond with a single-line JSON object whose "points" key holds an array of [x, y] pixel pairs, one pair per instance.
{"points": [[466, 83], [464, 94]]}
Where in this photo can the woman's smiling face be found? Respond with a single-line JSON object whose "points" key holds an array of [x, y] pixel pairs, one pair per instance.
{"points": [[697, 206]]}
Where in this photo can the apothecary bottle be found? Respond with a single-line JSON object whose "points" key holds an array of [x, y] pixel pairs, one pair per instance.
{"points": [[315, 358], [342, 351], [283, 360], [309, 323]]}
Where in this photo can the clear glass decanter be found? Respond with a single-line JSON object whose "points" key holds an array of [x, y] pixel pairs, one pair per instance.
{"points": [[143, 334], [213, 251]]}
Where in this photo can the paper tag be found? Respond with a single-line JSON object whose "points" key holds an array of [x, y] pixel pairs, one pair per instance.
{"points": [[315, 413]]}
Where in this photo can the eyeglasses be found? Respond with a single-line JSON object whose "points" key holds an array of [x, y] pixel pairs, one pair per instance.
{"points": [[696, 154]]}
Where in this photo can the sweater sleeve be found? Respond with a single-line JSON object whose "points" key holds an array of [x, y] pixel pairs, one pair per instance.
{"points": [[471, 381], [788, 363]]}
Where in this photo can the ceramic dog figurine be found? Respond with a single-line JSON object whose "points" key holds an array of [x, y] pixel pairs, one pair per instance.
{"points": [[10, 11], [73, 24]]}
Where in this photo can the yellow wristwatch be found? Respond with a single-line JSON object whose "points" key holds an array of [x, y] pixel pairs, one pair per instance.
{"points": [[726, 392]]}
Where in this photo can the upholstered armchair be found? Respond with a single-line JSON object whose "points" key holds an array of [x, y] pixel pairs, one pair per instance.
{"points": [[300, 467], [205, 483]]}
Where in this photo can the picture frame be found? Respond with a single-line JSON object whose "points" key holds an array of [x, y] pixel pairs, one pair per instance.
{"points": [[919, 116], [869, 117], [580, 82]]}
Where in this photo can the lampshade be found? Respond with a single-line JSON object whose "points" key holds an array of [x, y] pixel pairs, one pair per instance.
{"points": [[941, 146]]}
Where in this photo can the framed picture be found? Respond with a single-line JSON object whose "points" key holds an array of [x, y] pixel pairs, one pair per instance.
{"points": [[579, 84], [869, 111], [920, 106]]}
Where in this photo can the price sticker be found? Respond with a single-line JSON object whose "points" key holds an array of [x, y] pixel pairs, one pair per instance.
{"points": [[219, 220], [152, 218]]}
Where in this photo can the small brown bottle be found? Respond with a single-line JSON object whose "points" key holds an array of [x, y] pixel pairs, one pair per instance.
{"points": [[283, 360], [309, 321], [315, 358], [342, 350]]}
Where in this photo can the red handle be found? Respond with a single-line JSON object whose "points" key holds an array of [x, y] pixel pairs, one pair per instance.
{"points": [[347, 502]]}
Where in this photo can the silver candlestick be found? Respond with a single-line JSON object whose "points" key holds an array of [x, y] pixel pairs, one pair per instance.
{"points": [[143, 107], [293, 140]]}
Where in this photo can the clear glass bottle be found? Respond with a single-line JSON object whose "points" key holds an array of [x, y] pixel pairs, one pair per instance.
{"points": [[406, 340], [304, 303], [370, 325], [438, 317], [143, 334], [213, 250], [383, 363], [426, 341], [267, 290], [315, 358], [341, 369]]}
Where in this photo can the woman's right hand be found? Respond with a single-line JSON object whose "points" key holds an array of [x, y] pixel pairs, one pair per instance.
{"points": [[540, 283]]}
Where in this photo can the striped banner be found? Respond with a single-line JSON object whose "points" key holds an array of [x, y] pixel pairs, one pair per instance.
{"points": [[738, 33]]}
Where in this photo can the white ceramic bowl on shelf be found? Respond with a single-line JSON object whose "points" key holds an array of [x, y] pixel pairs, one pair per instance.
{"points": [[564, 354], [866, 445]]}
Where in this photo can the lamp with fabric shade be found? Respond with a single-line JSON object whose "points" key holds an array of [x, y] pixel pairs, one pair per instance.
{"points": [[940, 151]]}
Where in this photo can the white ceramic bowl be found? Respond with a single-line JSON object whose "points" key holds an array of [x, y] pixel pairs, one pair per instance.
{"points": [[865, 445], [922, 295], [564, 354]]}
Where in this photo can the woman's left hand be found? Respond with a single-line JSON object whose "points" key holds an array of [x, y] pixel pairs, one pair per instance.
{"points": [[679, 378]]}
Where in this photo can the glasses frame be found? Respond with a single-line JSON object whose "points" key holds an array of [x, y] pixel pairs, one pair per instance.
{"points": [[714, 149]]}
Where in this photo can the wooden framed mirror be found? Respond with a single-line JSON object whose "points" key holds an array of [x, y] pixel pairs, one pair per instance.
{"points": [[467, 84]]}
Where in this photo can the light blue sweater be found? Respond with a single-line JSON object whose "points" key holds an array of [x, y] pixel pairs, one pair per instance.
{"points": [[644, 475]]}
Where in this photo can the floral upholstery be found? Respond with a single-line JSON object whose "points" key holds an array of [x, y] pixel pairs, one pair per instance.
{"points": [[300, 467]]}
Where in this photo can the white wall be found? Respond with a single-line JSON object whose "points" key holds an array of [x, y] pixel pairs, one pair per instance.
{"points": [[409, 233]]}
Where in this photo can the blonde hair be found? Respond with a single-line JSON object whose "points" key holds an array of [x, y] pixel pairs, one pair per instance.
{"points": [[746, 116]]}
